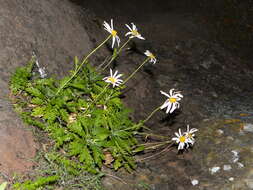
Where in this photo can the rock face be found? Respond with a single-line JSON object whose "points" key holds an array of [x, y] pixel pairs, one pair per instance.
{"points": [[51, 28], [227, 162], [217, 88], [16, 143]]}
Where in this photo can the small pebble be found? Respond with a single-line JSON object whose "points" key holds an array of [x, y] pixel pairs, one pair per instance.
{"points": [[248, 127], [235, 156], [213, 170], [235, 153], [227, 167], [240, 165], [230, 138], [195, 182], [220, 132]]}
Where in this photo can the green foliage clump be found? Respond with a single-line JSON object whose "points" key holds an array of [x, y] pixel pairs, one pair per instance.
{"points": [[86, 120], [58, 171], [21, 77], [37, 184]]}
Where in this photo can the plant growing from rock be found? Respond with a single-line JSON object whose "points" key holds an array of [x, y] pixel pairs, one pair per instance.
{"points": [[84, 116]]}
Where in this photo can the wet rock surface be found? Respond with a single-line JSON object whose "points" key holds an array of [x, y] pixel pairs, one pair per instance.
{"points": [[53, 30], [226, 164]]}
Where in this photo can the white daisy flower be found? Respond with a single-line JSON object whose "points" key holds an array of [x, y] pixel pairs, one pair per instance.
{"points": [[172, 102], [189, 134], [181, 140], [134, 32], [113, 79], [113, 32], [151, 56]]}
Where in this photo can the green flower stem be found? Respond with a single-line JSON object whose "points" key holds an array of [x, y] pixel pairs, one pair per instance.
{"points": [[106, 59], [105, 88], [114, 57], [151, 134], [135, 71], [152, 156], [135, 126], [154, 143], [150, 115], [109, 97], [95, 100], [80, 66], [158, 145]]}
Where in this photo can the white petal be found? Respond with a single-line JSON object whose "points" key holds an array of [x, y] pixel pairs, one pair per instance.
{"points": [[173, 108], [181, 146], [120, 75], [128, 28], [107, 27], [178, 96], [193, 130], [177, 134], [112, 24], [111, 72], [165, 104], [147, 52], [118, 40], [115, 74], [133, 26], [140, 37], [169, 107], [164, 93], [113, 41], [171, 92], [188, 128], [128, 33]]}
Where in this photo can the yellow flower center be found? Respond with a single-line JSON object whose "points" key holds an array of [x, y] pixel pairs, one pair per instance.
{"points": [[182, 139], [151, 56], [172, 100], [114, 33], [113, 80], [135, 32]]}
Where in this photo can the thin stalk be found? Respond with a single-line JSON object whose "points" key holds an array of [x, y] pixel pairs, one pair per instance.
{"points": [[151, 134], [154, 143], [135, 71], [164, 150], [133, 128], [157, 145], [95, 100], [152, 113], [106, 59], [114, 57], [116, 177], [80, 66]]}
